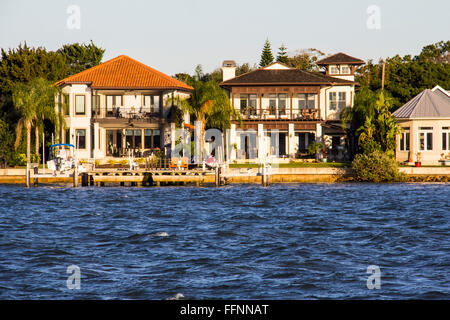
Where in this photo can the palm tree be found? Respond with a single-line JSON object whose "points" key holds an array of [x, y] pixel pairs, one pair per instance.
{"points": [[371, 121], [208, 104], [35, 101]]}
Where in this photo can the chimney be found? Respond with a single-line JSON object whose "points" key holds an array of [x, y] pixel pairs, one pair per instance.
{"points": [[228, 70]]}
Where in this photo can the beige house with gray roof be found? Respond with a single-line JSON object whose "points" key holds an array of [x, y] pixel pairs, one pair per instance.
{"points": [[425, 121]]}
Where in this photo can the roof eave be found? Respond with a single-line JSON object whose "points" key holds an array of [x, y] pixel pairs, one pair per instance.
{"points": [[142, 88], [223, 84]]}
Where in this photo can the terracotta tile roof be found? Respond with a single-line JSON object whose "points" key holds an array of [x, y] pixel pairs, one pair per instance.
{"points": [[124, 72], [283, 77], [340, 58]]}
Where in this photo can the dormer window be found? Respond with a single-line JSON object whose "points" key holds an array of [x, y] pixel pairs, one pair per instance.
{"points": [[334, 70], [345, 70]]}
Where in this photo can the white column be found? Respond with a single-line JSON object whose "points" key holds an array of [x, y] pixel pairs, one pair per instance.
{"points": [[291, 139], [232, 142], [172, 139], [96, 146], [319, 132], [260, 142], [198, 152]]}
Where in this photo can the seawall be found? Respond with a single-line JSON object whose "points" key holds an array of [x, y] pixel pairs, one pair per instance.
{"points": [[235, 175]]}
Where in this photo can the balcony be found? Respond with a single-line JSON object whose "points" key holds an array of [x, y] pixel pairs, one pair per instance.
{"points": [[126, 113], [271, 113]]}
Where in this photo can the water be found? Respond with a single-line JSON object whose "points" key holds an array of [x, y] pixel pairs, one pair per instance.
{"points": [[303, 241]]}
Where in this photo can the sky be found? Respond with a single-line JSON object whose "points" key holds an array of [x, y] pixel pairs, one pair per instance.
{"points": [[176, 35]]}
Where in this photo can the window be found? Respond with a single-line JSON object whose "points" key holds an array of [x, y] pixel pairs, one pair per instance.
{"points": [[342, 101], [282, 97], [96, 105], [334, 70], [252, 102], [272, 104], [80, 105], [425, 138], [345, 70], [67, 136], [248, 103], [80, 136], [66, 104], [112, 102], [404, 140], [113, 142], [333, 100], [134, 139], [306, 101], [243, 99], [151, 139], [151, 103], [156, 139], [445, 138]]}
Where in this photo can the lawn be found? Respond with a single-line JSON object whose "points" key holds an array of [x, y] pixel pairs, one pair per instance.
{"points": [[296, 165]]}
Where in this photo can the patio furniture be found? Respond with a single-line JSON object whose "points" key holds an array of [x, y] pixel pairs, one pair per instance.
{"points": [[184, 163], [122, 112], [173, 163]]}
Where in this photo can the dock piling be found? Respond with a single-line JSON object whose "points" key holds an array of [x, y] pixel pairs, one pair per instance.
{"points": [[75, 177]]}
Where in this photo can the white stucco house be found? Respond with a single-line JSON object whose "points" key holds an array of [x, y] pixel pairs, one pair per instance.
{"points": [[118, 107], [303, 106], [425, 123]]}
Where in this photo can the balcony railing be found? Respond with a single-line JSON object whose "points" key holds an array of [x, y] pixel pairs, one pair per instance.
{"points": [[251, 113], [121, 112]]}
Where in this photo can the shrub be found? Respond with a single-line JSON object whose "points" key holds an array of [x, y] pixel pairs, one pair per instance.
{"points": [[123, 162], [111, 162], [20, 159], [35, 158], [315, 148], [377, 167], [140, 161]]}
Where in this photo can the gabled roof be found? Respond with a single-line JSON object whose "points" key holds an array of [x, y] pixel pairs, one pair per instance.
{"points": [[427, 104], [340, 58], [440, 90], [124, 72], [276, 66], [290, 76]]}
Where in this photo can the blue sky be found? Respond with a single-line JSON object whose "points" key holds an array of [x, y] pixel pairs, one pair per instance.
{"points": [[176, 35]]}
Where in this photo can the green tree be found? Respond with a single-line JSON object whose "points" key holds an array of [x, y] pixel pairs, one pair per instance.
{"points": [[209, 104], [35, 102], [24, 64], [6, 143], [407, 76], [266, 55], [436, 53], [80, 57], [305, 59], [371, 122], [186, 78], [244, 68], [282, 55]]}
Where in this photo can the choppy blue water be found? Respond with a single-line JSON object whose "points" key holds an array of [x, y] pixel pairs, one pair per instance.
{"points": [[303, 241]]}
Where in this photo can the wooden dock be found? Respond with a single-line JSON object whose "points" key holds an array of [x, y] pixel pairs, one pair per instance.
{"points": [[147, 177], [198, 177]]}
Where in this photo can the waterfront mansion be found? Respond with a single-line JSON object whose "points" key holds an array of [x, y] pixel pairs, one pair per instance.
{"points": [[119, 107], [303, 106]]}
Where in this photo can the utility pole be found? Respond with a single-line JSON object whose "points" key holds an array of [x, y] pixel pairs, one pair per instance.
{"points": [[382, 75]]}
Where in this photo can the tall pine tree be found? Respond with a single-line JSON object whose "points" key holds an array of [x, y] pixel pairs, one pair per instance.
{"points": [[282, 55], [266, 55]]}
